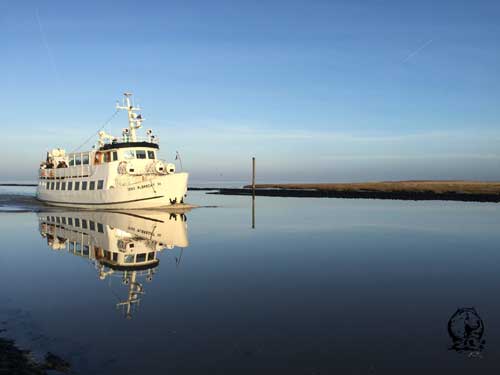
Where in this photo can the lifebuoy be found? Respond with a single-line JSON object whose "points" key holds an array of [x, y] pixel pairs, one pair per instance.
{"points": [[122, 167]]}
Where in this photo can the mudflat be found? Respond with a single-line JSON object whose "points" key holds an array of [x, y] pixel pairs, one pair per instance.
{"points": [[434, 186]]}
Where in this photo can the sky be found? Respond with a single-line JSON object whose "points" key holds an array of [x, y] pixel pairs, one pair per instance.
{"points": [[317, 91]]}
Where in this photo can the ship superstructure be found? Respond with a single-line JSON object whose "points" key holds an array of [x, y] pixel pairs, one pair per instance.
{"points": [[118, 173]]}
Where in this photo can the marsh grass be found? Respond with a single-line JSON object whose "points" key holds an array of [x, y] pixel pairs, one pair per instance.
{"points": [[437, 187]]}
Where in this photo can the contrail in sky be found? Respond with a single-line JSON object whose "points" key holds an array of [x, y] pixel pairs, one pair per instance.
{"points": [[418, 50], [47, 48]]}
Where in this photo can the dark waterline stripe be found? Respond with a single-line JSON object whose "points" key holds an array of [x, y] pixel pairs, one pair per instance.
{"points": [[100, 204], [7, 184], [139, 216]]}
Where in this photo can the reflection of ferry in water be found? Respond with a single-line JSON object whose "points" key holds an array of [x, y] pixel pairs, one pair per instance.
{"points": [[124, 244]]}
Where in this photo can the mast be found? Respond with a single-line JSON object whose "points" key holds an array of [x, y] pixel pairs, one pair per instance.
{"points": [[134, 119], [135, 289]]}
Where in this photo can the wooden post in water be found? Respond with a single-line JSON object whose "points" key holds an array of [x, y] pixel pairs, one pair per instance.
{"points": [[253, 176], [253, 193]]}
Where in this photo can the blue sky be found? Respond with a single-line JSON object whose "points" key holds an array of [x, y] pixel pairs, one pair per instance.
{"points": [[316, 90]]}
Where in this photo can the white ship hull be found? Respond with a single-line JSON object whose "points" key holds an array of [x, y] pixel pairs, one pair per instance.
{"points": [[118, 173], [159, 191]]}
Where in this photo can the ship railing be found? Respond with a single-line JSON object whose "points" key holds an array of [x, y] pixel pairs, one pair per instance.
{"points": [[67, 172], [125, 139], [77, 165]]}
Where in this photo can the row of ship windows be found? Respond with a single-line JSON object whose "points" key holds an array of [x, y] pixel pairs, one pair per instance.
{"points": [[131, 258], [77, 248], [84, 224], [75, 185], [79, 159], [138, 154], [76, 223], [109, 156], [83, 159]]}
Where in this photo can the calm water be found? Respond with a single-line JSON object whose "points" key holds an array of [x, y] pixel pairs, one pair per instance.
{"points": [[320, 286]]}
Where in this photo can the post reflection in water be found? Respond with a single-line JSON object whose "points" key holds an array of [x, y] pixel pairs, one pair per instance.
{"points": [[124, 244]]}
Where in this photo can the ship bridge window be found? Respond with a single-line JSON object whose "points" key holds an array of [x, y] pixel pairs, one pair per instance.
{"points": [[70, 185], [107, 157], [98, 158], [129, 258], [92, 225], [84, 185], [77, 222], [151, 154], [71, 161], [58, 185], [141, 257], [100, 228], [48, 185], [115, 156], [84, 224], [92, 185], [52, 184], [85, 160], [78, 160], [77, 185], [63, 185], [100, 184], [129, 154], [140, 154]]}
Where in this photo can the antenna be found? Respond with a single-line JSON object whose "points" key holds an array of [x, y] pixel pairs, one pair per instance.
{"points": [[134, 119]]}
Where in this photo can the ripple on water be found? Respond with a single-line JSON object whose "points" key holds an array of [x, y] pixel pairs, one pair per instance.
{"points": [[19, 203]]}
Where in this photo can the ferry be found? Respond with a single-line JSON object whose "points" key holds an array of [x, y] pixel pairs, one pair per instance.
{"points": [[121, 245], [118, 173]]}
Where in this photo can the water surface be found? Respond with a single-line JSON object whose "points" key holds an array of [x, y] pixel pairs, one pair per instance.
{"points": [[319, 286]]}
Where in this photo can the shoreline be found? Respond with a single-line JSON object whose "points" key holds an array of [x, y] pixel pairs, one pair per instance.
{"points": [[394, 195], [464, 191], [445, 190], [20, 361], [435, 186]]}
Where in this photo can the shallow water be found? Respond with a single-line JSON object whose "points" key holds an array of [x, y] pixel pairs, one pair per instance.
{"points": [[319, 286]]}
